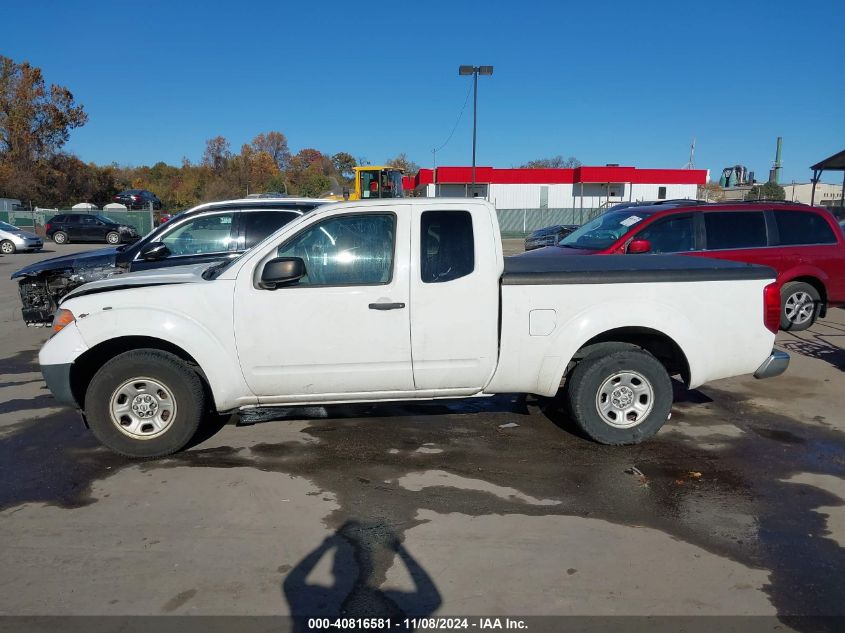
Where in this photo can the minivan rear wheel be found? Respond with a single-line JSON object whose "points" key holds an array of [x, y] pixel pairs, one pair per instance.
{"points": [[60, 237], [800, 303]]}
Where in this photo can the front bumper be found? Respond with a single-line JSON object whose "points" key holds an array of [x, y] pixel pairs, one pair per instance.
{"points": [[57, 378], [774, 365], [27, 243]]}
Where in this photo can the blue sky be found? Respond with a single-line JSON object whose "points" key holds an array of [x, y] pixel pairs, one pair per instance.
{"points": [[608, 82]]}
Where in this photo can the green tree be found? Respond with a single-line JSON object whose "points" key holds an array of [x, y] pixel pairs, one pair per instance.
{"points": [[312, 183], [344, 162], [767, 191], [555, 162]]}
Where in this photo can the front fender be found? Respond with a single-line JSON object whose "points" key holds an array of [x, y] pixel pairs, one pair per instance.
{"points": [[210, 344]]}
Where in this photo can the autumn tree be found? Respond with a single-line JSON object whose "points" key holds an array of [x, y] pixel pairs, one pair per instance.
{"points": [[35, 121], [276, 145], [555, 162], [217, 153], [307, 157], [711, 192], [404, 163]]}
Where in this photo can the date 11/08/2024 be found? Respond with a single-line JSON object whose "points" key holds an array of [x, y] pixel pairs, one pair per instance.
{"points": [[415, 624]]}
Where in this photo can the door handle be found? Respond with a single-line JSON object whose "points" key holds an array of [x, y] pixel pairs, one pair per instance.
{"points": [[386, 306]]}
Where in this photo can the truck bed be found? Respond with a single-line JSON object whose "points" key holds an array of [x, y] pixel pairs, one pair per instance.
{"points": [[614, 269]]}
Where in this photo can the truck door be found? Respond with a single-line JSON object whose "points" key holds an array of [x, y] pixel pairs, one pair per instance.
{"points": [[454, 297], [342, 331]]}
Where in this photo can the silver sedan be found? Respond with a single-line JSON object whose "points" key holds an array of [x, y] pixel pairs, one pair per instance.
{"points": [[13, 239]]}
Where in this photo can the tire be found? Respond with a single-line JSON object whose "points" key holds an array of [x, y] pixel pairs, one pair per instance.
{"points": [[7, 247], [134, 383], [632, 388], [799, 306], [113, 237], [60, 237]]}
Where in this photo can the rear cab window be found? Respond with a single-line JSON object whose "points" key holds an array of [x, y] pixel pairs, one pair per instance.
{"points": [[735, 229], [802, 228], [447, 246]]}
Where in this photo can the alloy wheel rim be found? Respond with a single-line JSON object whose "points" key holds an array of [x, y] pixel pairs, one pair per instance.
{"points": [[6, 247], [799, 307], [142, 408], [625, 399]]}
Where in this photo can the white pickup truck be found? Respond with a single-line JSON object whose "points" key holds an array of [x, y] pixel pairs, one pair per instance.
{"points": [[404, 300]]}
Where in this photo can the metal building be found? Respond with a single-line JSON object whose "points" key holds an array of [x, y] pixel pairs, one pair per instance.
{"points": [[526, 199]]}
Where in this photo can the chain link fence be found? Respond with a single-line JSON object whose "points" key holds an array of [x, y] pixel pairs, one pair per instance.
{"points": [[35, 219], [522, 222]]}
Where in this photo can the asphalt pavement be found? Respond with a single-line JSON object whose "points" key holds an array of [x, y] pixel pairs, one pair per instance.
{"points": [[478, 507]]}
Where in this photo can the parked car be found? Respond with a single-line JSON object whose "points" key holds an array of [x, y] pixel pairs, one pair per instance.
{"points": [[548, 236], [88, 227], [346, 304], [13, 239], [205, 234], [138, 199], [802, 243]]}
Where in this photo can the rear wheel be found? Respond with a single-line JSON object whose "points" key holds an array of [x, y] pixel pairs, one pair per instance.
{"points": [[145, 403], [800, 304], [619, 395], [7, 247], [113, 237], [60, 237]]}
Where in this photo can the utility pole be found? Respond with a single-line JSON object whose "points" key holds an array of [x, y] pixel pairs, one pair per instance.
{"points": [[474, 71]]}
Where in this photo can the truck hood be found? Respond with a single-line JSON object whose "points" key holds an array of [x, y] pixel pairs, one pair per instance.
{"points": [[77, 262], [155, 277]]}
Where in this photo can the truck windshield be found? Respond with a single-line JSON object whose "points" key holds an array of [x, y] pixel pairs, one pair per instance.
{"points": [[603, 231]]}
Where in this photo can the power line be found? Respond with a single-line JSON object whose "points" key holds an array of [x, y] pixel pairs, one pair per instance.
{"points": [[452, 133]]}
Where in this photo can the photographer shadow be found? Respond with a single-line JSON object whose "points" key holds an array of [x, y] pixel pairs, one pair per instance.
{"points": [[363, 552]]}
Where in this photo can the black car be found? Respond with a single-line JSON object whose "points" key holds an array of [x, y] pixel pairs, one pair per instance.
{"points": [[138, 199], [209, 233], [548, 236], [88, 227]]}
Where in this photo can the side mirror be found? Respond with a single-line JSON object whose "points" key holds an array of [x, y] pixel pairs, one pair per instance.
{"points": [[154, 251], [639, 246], [282, 271]]}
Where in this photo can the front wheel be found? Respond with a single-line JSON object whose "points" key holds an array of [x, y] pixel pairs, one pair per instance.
{"points": [[799, 306], [7, 247], [113, 237], [621, 395], [145, 403]]}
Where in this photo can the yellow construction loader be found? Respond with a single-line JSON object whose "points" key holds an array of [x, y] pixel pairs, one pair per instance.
{"points": [[373, 181]]}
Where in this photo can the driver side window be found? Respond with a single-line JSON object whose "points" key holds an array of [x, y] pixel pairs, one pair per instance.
{"points": [[672, 235], [345, 250], [203, 234]]}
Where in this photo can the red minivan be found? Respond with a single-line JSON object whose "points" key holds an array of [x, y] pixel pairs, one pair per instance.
{"points": [[803, 244]]}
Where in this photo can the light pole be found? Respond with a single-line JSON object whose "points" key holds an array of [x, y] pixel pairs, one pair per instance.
{"points": [[475, 71]]}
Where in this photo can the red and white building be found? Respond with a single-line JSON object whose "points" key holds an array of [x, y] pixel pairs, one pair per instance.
{"points": [[528, 199], [578, 188]]}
